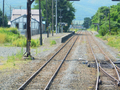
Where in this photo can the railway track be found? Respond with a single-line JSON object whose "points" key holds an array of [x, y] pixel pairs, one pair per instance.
{"points": [[107, 72], [44, 76]]}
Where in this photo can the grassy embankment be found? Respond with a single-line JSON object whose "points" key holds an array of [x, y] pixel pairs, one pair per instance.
{"points": [[11, 37], [112, 40], [13, 61]]}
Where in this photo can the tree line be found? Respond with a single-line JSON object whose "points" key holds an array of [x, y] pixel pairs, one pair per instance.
{"points": [[108, 19]]}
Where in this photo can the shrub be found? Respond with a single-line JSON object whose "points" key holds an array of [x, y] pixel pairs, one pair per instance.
{"points": [[12, 35], [13, 30], [21, 42], [53, 42], [2, 38], [34, 43]]}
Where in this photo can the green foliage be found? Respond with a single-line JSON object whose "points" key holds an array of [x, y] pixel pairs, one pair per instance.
{"points": [[87, 22], [113, 40], [5, 20], [53, 42], [12, 36], [35, 43], [98, 35], [20, 42], [9, 34], [13, 60], [103, 30], [76, 30], [2, 38], [102, 17]]}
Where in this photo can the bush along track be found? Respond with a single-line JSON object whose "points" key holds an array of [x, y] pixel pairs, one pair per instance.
{"points": [[112, 40], [12, 37], [13, 61]]}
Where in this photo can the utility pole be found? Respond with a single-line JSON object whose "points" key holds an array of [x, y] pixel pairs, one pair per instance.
{"points": [[109, 21], [3, 14], [20, 7], [52, 17], [56, 16], [10, 11], [29, 2], [40, 22], [47, 21], [60, 18]]}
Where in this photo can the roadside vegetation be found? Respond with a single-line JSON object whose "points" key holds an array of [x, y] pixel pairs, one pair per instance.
{"points": [[12, 37], [13, 61], [112, 40], [53, 42], [112, 35]]}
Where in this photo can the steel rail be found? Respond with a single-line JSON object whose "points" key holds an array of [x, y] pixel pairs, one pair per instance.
{"points": [[97, 64], [114, 79], [118, 76], [22, 87], [118, 68], [52, 78]]}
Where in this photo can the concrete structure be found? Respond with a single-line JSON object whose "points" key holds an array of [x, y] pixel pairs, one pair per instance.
{"points": [[19, 20]]}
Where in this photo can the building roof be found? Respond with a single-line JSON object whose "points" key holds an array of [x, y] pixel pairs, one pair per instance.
{"points": [[20, 12]]}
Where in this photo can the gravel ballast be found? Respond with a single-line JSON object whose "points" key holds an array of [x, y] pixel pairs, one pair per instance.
{"points": [[73, 75]]}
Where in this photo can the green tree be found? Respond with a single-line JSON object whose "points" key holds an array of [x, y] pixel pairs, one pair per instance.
{"points": [[87, 22], [68, 16], [5, 20], [102, 17]]}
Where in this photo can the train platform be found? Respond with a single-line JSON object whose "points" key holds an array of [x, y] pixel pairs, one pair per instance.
{"points": [[59, 37]]}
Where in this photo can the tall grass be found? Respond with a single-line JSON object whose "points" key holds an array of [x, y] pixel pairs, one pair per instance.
{"points": [[2, 38], [53, 42], [91, 29], [13, 61], [112, 40], [12, 36], [9, 34]]}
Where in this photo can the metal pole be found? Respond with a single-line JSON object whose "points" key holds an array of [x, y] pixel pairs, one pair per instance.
{"points": [[56, 16], [28, 27], [40, 22], [109, 21], [3, 13], [47, 21], [60, 19], [52, 18], [10, 11]]}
